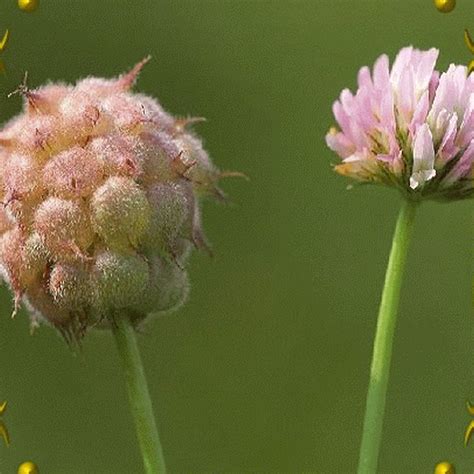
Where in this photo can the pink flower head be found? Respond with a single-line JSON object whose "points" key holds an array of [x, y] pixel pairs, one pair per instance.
{"points": [[409, 127]]}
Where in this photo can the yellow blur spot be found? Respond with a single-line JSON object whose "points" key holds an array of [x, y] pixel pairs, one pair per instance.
{"points": [[470, 46], [468, 40], [4, 434], [445, 6], [3, 429], [444, 468], [28, 5], [468, 433], [470, 67], [3, 43], [28, 467], [470, 427]]}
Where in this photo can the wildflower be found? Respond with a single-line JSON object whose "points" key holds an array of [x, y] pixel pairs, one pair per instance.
{"points": [[100, 189], [409, 127]]}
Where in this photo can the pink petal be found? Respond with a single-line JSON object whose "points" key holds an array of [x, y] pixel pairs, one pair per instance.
{"points": [[462, 167], [423, 157]]}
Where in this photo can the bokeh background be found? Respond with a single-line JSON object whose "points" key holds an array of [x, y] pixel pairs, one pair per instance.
{"points": [[266, 368]]}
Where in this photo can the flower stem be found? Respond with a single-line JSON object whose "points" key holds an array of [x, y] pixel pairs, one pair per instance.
{"points": [[139, 396], [382, 351]]}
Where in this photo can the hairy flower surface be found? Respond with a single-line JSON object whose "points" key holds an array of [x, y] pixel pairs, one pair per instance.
{"points": [[409, 127], [100, 189]]}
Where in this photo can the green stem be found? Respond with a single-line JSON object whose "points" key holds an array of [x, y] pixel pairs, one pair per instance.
{"points": [[139, 396], [382, 352]]}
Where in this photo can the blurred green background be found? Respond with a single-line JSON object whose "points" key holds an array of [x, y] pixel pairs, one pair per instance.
{"points": [[266, 368]]}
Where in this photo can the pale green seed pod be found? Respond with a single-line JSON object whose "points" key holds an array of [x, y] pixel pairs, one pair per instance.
{"points": [[167, 289], [120, 212], [70, 285], [63, 227], [119, 280], [170, 207]]}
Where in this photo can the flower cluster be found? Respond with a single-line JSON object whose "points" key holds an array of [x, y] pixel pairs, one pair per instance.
{"points": [[100, 191], [409, 127]]}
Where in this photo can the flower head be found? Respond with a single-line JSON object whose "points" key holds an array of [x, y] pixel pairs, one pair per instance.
{"points": [[409, 127], [100, 189]]}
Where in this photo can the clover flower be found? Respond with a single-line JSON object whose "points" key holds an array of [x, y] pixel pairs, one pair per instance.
{"points": [[100, 189], [412, 128], [409, 127]]}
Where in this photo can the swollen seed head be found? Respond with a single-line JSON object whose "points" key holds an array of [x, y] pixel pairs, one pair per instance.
{"points": [[36, 253], [20, 175], [73, 173], [120, 212], [167, 289], [41, 305], [128, 112], [47, 99], [22, 259], [200, 170], [69, 285], [99, 187], [5, 221], [117, 155], [12, 257], [156, 153], [80, 110], [169, 204], [119, 279], [154, 113], [63, 227]]}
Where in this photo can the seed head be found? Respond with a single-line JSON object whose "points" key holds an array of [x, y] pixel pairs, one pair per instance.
{"points": [[100, 190]]}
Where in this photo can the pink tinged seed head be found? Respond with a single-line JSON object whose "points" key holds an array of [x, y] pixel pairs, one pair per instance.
{"points": [[46, 99], [120, 212], [194, 164], [70, 285], [6, 222], [156, 154], [172, 210], [22, 187], [129, 113], [82, 116], [20, 176], [100, 203], [43, 308], [116, 155], [36, 135], [73, 173], [154, 113], [64, 228], [22, 263], [405, 124]]}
